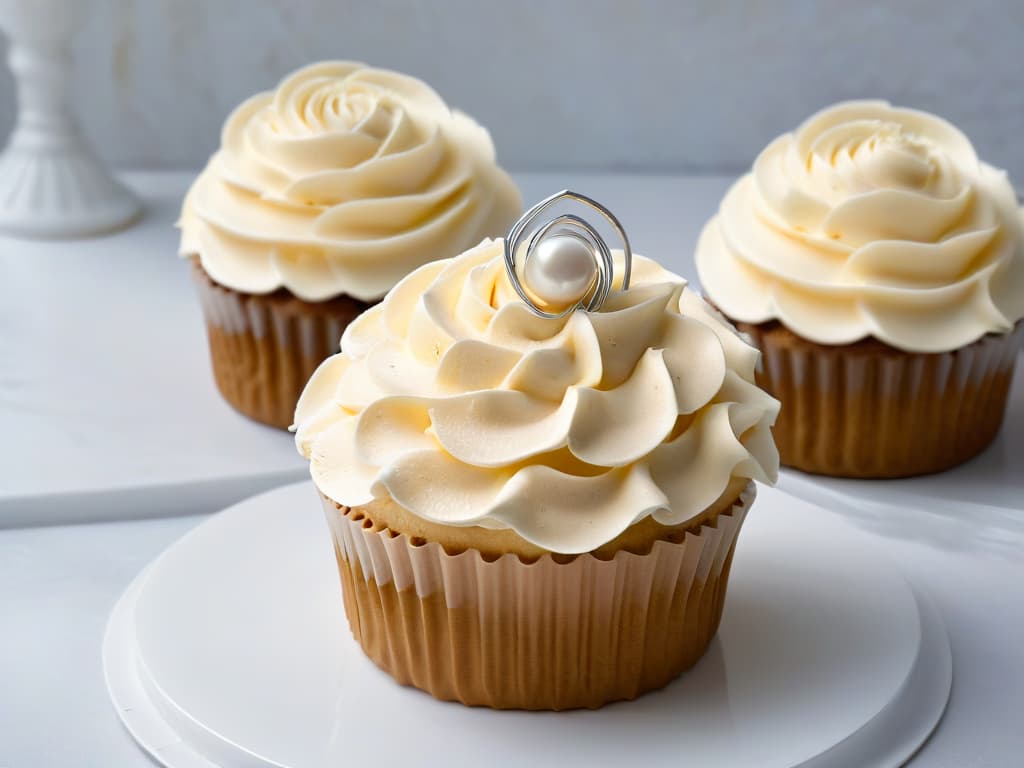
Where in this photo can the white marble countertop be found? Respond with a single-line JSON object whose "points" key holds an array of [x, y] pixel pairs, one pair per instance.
{"points": [[111, 407]]}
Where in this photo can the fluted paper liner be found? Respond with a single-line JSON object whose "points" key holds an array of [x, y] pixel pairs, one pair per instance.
{"points": [[868, 410], [265, 348], [555, 633]]}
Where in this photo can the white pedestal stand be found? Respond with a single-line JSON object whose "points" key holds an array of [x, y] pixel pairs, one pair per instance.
{"points": [[51, 183], [232, 649]]}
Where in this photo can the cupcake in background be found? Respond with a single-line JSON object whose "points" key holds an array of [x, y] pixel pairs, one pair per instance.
{"points": [[878, 265], [324, 194], [531, 512]]}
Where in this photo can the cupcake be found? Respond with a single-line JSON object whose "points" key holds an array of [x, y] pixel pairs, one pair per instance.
{"points": [[323, 195], [877, 264], [533, 512]]}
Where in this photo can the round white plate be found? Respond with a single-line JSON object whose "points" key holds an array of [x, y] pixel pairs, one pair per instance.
{"points": [[232, 649]]}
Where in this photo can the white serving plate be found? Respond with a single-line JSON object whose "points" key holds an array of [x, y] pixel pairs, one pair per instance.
{"points": [[231, 649]]}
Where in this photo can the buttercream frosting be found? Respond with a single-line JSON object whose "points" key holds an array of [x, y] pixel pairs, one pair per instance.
{"points": [[343, 180], [456, 401], [869, 221]]}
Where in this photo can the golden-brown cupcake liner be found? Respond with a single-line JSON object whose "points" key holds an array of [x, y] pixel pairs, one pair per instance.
{"points": [[265, 348], [554, 633], [871, 411]]}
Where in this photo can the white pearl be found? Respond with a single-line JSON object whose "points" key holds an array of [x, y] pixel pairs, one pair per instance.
{"points": [[561, 270]]}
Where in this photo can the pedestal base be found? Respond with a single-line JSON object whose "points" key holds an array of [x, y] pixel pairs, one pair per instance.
{"points": [[231, 649], [60, 194]]}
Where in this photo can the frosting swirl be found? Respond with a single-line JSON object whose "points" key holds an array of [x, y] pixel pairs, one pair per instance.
{"points": [[464, 407], [869, 220], [343, 180]]}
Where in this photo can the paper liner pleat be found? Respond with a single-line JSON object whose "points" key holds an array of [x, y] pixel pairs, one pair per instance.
{"points": [[883, 413], [263, 350], [546, 634]]}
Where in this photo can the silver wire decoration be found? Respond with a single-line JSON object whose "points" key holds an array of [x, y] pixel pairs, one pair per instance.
{"points": [[578, 228]]}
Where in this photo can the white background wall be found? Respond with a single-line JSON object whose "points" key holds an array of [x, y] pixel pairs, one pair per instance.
{"points": [[648, 85]]}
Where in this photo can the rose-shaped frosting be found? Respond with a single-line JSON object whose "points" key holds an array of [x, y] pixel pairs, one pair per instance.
{"points": [[343, 180], [465, 408], [869, 221]]}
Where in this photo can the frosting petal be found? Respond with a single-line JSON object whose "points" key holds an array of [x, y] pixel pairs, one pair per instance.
{"points": [[869, 220], [467, 409], [343, 180]]}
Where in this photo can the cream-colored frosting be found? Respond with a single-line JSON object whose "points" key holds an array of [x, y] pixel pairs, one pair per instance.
{"points": [[343, 180], [869, 221], [456, 401]]}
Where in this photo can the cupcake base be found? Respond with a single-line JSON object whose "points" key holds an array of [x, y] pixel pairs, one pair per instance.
{"points": [[548, 634], [264, 348], [868, 410]]}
